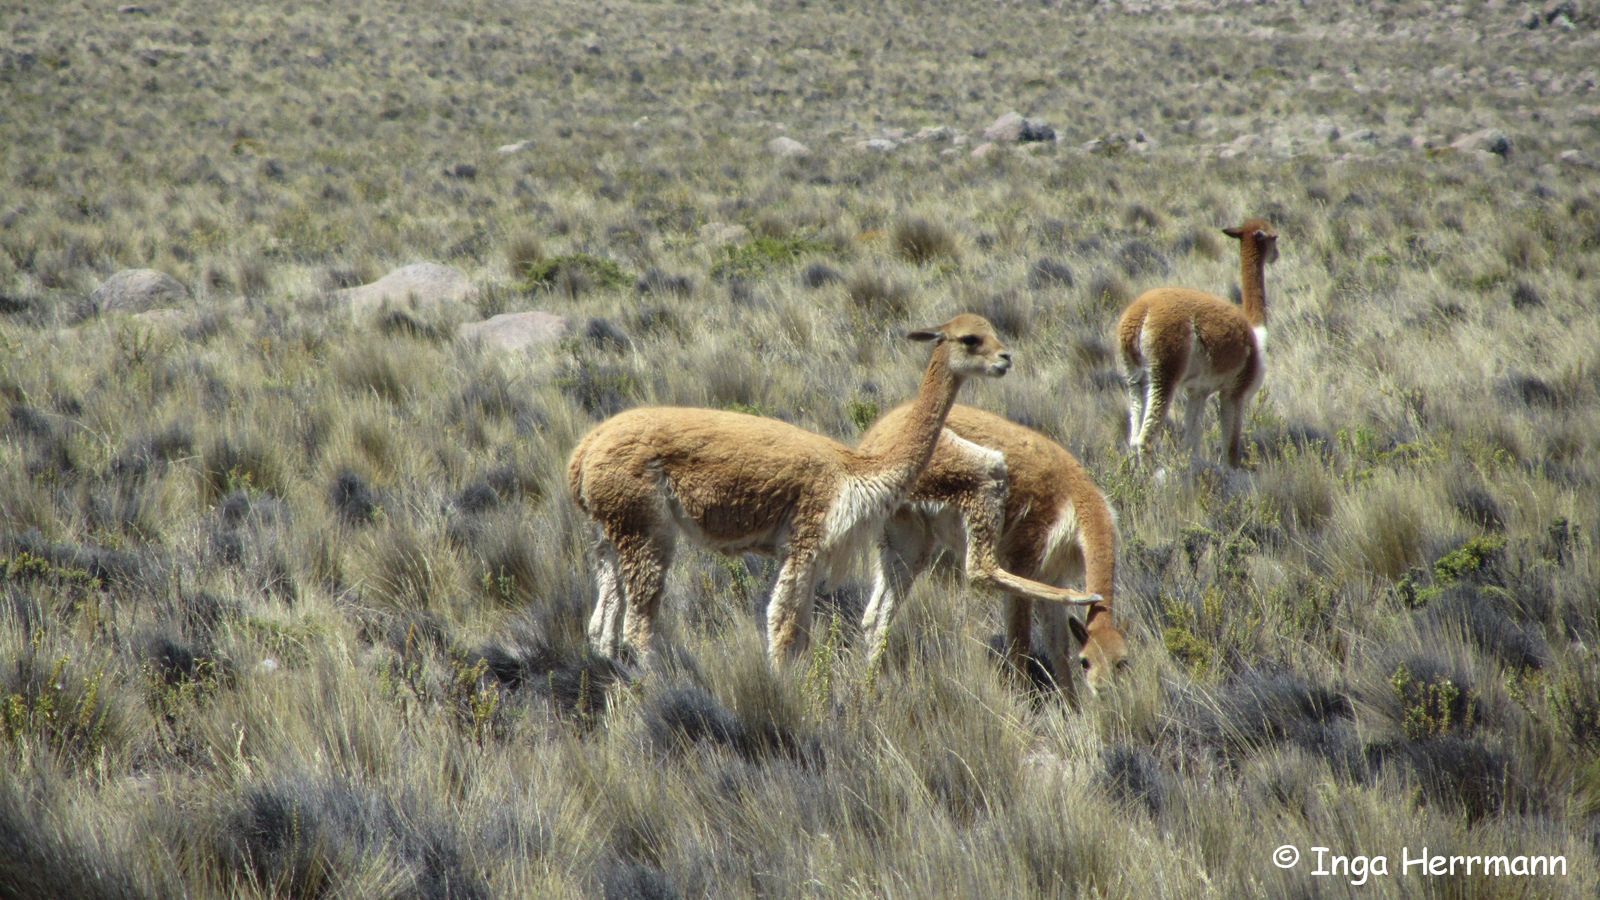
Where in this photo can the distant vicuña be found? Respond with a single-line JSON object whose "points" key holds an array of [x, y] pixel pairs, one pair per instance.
{"points": [[1172, 338]]}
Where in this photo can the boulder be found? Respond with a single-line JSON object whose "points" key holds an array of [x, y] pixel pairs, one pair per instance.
{"points": [[787, 147], [1012, 128], [1006, 129], [138, 290], [1487, 140], [421, 286], [510, 332]]}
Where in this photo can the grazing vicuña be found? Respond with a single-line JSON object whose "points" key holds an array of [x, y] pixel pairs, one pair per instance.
{"points": [[1045, 519]]}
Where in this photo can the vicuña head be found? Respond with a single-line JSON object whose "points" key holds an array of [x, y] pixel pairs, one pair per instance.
{"points": [[977, 349], [748, 484], [1176, 338]]}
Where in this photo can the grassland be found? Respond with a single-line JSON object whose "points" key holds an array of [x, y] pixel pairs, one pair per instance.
{"points": [[294, 602]]}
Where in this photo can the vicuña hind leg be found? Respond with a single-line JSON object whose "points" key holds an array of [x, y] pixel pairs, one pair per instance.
{"points": [[1158, 396], [789, 611], [1167, 367], [605, 626], [643, 561], [1138, 383]]}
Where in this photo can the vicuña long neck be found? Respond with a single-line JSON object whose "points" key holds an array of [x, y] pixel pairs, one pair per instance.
{"points": [[1253, 282], [1099, 538], [907, 453]]}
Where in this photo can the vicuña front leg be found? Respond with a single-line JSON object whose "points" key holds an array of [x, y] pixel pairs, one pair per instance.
{"points": [[1232, 420], [902, 553], [1055, 638]]}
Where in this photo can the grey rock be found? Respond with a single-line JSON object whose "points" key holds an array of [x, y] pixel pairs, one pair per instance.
{"points": [[1006, 129], [162, 319], [787, 147], [1577, 158], [417, 286], [877, 145], [1488, 140], [513, 332], [518, 147], [137, 290], [1012, 128]]}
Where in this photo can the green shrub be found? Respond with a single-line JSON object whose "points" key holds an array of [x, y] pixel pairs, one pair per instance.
{"points": [[760, 254], [1477, 556], [1430, 708], [573, 274]]}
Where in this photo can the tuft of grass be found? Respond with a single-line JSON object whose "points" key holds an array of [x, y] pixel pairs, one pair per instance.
{"points": [[524, 254], [876, 294], [923, 241]]}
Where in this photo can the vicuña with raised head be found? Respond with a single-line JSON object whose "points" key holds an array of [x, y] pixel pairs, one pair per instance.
{"points": [[1175, 339], [746, 484]]}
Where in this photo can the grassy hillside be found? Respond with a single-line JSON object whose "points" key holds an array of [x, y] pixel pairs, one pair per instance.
{"points": [[294, 599]]}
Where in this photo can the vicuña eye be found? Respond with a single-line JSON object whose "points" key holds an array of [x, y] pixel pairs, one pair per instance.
{"points": [[1083, 662], [970, 340]]}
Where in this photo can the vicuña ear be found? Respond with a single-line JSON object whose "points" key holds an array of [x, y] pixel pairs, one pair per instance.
{"points": [[925, 335], [1079, 633], [1232, 232]]}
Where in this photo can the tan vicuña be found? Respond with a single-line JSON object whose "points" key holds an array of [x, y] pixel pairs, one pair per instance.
{"points": [[746, 484], [1017, 500], [1175, 339]]}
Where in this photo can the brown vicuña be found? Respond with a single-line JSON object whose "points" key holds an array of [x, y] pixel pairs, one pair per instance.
{"points": [[746, 484], [1019, 500], [1175, 338]]}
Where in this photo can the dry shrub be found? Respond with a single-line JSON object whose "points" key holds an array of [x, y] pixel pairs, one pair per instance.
{"points": [[923, 241], [878, 295]]}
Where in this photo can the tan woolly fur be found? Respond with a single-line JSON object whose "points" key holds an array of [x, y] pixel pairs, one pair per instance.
{"points": [[738, 483], [1045, 519], [1174, 339]]}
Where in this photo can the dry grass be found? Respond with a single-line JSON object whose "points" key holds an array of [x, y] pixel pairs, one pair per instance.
{"points": [[293, 605]]}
